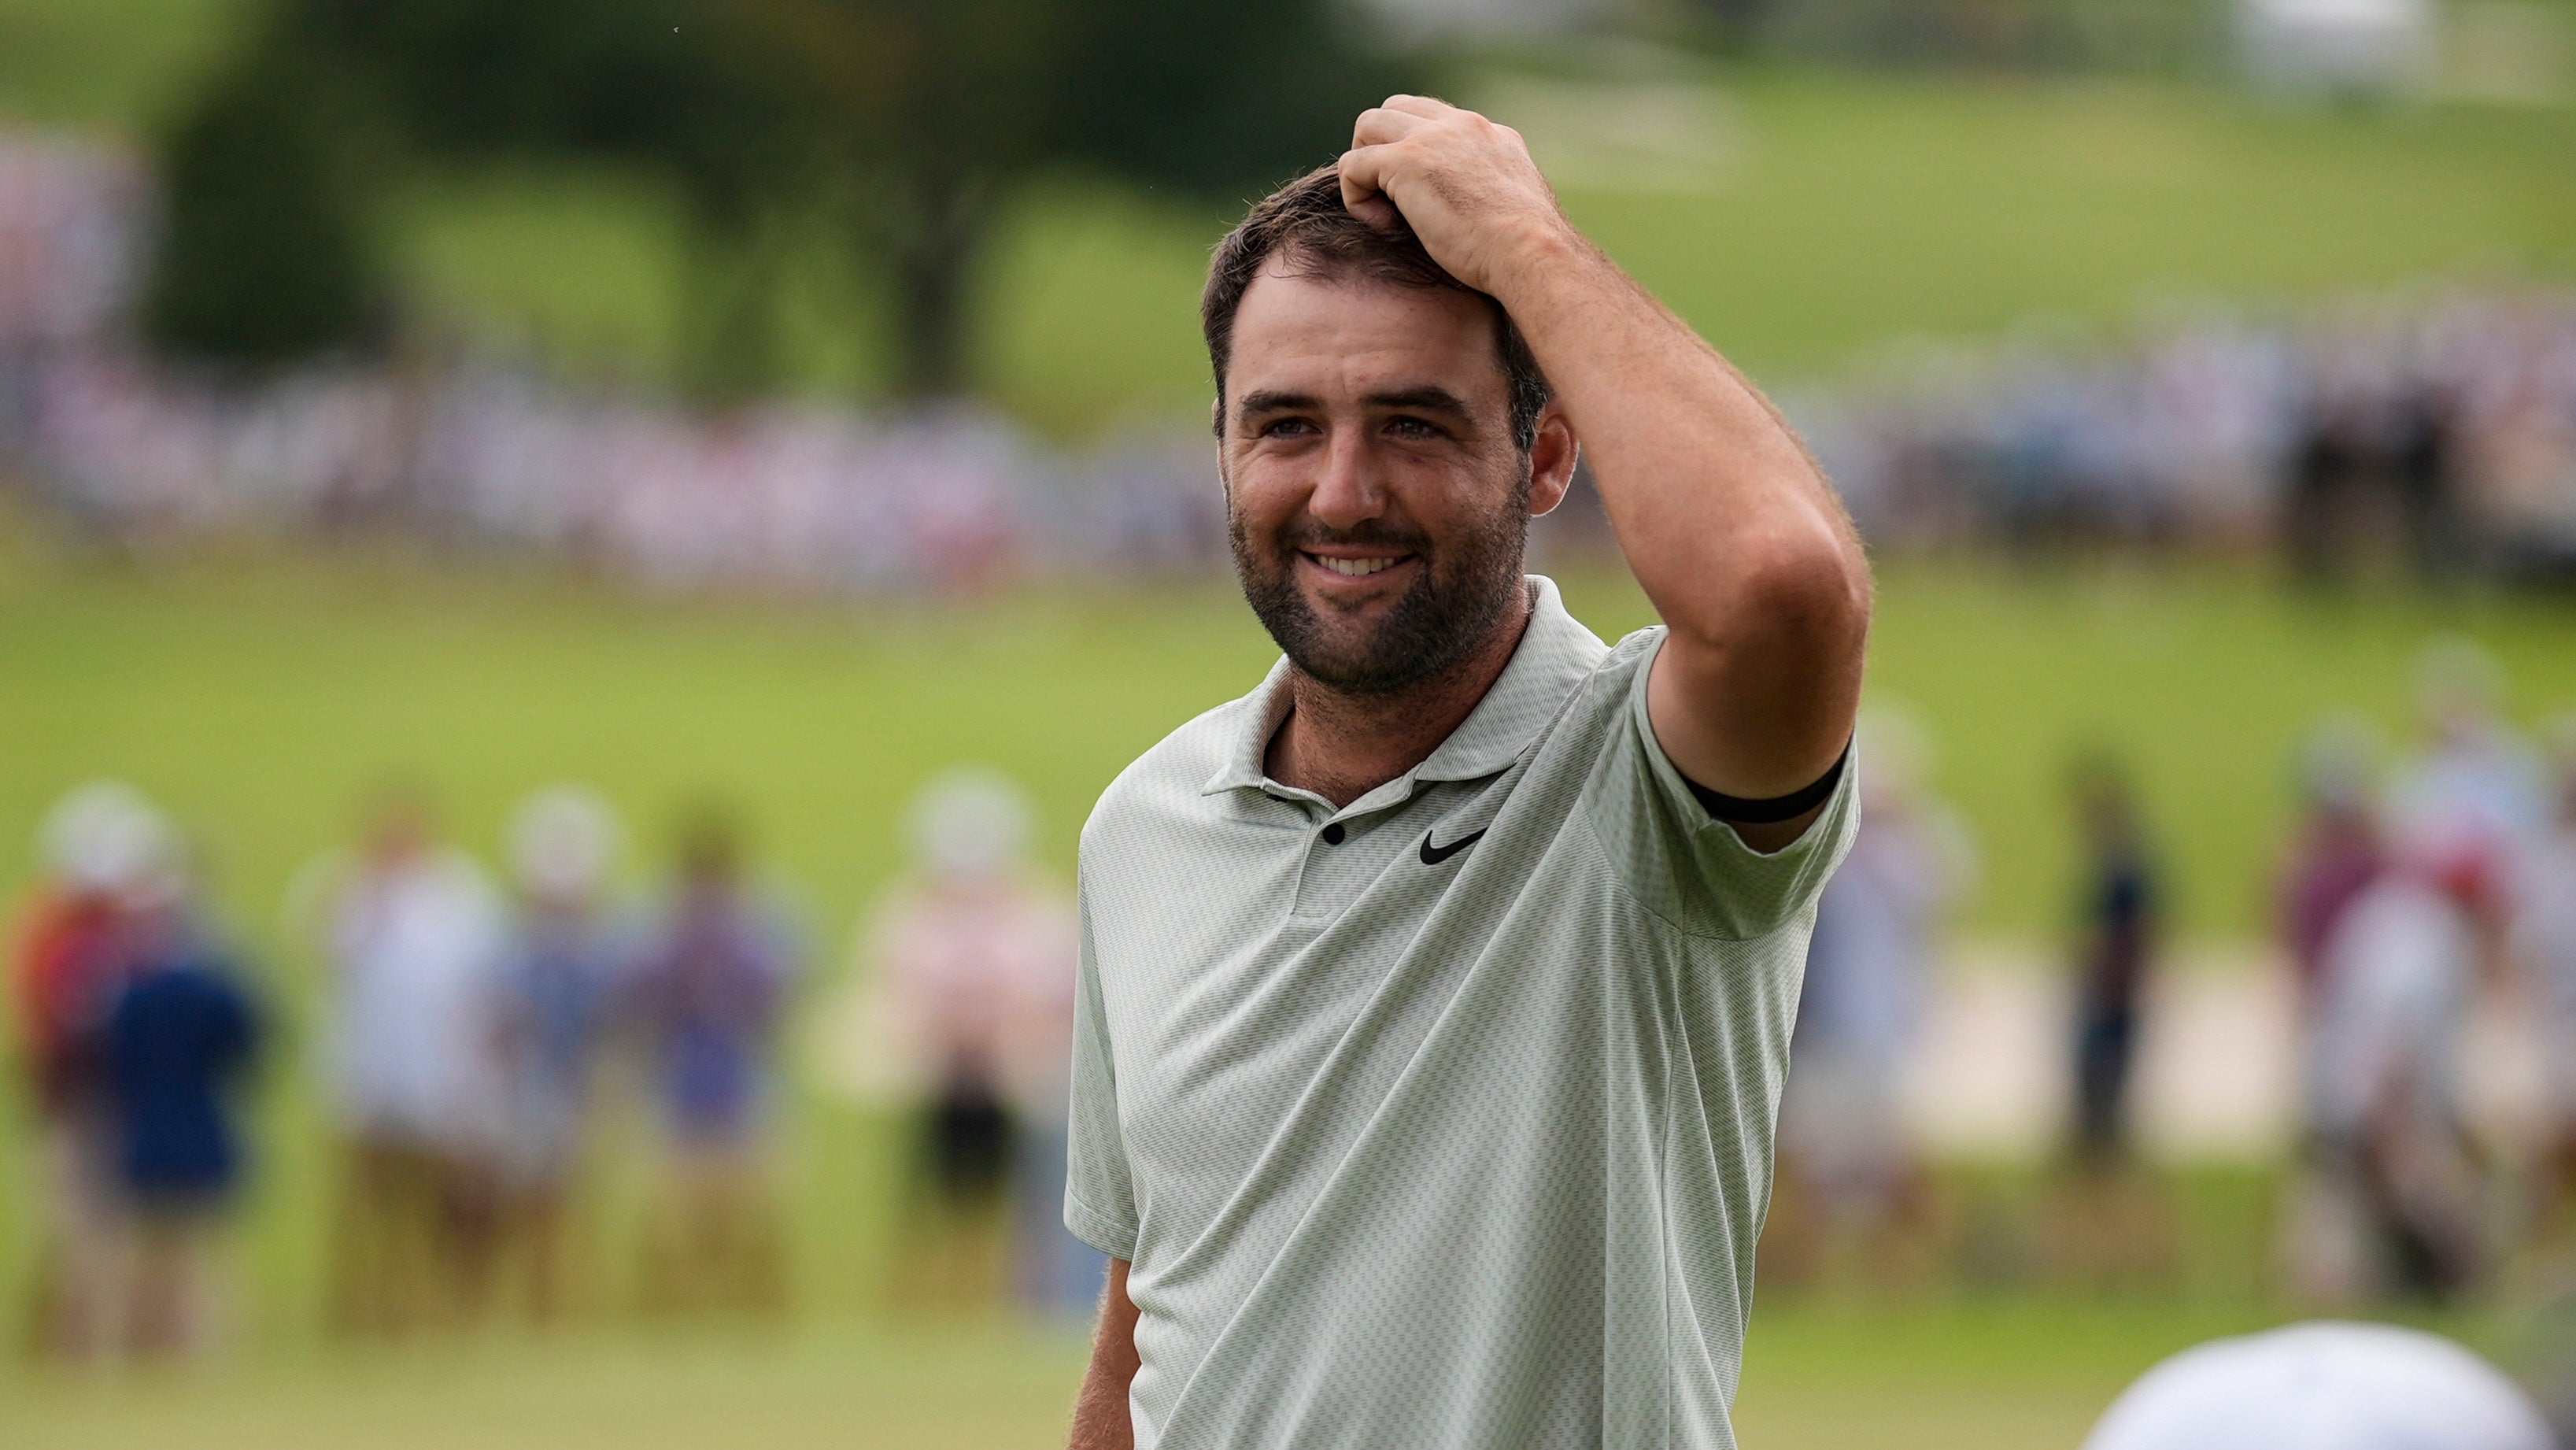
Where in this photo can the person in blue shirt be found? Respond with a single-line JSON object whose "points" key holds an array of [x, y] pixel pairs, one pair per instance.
{"points": [[567, 955], [708, 993], [177, 1047]]}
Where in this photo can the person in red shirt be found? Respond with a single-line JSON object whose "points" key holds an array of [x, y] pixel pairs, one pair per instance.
{"points": [[69, 958]]}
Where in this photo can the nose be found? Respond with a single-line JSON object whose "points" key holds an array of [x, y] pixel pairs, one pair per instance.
{"points": [[1349, 493]]}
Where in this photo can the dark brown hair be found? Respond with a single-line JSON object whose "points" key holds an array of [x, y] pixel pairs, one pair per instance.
{"points": [[1306, 223]]}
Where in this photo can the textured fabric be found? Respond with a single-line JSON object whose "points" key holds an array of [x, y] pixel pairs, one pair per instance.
{"points": [[1450, 1128]]}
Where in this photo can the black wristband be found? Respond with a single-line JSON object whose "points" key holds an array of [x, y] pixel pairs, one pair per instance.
{"points": [[1737, 811]]}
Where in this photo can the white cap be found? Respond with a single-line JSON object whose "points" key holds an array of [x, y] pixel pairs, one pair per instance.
{"points": [[105, 836], [2324, 1387], [971, 822], [563, 842]]}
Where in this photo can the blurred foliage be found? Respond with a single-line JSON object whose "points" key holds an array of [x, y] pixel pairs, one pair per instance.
{"points": [[2061, 36], [264, 257], [900, 127]]}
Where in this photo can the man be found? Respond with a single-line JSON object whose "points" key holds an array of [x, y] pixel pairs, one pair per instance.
{"points": [[70, 954], [1435, 997], [413, 929], [975, 953], [177, 1048], [710, 990], [563, 961], [1847, 1172], [2545, 941]]}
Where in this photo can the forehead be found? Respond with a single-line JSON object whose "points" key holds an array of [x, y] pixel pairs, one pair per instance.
{"points": [[1344, 337]]}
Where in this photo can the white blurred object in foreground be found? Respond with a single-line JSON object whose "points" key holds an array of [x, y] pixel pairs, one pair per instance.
{"points": [[2323, 1387], [2337, 45]]}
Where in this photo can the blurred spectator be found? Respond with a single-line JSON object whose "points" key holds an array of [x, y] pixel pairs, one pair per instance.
{"points": [[2122, 915], [1845, 1166], [977, 959], [2112, 1225], [413, 929], [2394, 1009], [178, 1046], [709, 991], [2545, 941], [2477, 790], [2323, 1387], [2337, 850], [70, 956], [566, 958]]}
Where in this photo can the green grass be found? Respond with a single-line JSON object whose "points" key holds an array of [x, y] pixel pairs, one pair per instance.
{"points": [[260, 700], [1841, 1377]]}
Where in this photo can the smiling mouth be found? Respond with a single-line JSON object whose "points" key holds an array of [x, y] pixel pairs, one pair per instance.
{"points": [[1360, 568]]}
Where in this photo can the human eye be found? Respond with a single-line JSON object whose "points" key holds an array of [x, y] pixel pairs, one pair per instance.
{"points": [[1290, 427], [1414, 430]]}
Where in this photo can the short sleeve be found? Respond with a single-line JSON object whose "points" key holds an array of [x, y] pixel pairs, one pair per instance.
{"points": [[1681, 863], [1099, 1197]]}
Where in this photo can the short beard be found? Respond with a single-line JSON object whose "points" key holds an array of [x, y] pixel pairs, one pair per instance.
{"points": [[1464, 591]]}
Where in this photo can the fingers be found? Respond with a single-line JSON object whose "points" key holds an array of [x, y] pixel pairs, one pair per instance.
{"points": [[1428, 108], [1380, 125], [1363, 176]]}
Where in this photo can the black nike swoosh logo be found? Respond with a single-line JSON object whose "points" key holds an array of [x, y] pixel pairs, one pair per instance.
{"points": [[1433, 855]]}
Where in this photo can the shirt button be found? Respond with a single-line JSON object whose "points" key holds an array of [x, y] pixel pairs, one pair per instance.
{"points": [[1333, 834]]}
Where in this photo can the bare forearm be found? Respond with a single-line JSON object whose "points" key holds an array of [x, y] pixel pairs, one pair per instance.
{"points": [[1698, 471], [1726, 521], [1100, 1414]]}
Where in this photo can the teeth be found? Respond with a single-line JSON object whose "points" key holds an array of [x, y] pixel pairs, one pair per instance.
{"points": [[1356, 568]]}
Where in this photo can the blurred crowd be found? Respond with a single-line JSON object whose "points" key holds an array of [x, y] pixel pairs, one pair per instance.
{"points": [[2419, 892], [2438, 430], [479, 1039], [137, 1033], [2404, 903]]}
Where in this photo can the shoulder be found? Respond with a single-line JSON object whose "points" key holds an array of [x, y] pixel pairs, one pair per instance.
{"points": [[1613, 687], [1168, 778]]}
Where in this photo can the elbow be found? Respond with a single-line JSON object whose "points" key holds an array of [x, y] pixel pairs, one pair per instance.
{"points": [[1809, 589]]}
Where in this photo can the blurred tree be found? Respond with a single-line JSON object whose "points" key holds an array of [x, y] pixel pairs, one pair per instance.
{"points": [[263, 259], [934, 111], [645, 83], [905, 125]]}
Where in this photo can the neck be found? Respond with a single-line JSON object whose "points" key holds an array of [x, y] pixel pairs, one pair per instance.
{"points": [[1341, 746]]}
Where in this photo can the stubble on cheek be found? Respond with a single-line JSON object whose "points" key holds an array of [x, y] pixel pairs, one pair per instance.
{"points": [[1462, 590]]}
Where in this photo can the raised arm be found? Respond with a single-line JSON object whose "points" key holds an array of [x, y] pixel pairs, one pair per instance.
{"points": [[1100, 1416], [1725, 519]]}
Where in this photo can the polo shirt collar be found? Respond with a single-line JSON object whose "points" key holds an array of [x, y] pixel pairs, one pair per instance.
{"points": [[1555, 654]]}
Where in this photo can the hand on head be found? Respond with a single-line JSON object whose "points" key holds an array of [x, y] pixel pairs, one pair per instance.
{"points": [[1466, 186]]}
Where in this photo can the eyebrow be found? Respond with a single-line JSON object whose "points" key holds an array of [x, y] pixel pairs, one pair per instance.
{"points": [[1271, 400], [1429, 398]]}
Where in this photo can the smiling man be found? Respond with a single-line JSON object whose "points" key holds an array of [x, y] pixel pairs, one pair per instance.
{"points": [[1435, 996]]}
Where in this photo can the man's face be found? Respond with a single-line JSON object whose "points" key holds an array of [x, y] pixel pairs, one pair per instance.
{"points": [[1376, 499]]}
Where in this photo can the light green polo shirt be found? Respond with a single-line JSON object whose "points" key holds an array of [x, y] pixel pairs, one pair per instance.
{"points": [[1441, 1121]]}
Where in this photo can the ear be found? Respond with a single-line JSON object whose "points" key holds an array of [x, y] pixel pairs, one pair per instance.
{"points": [[1216, 417], [1552, 458]]}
